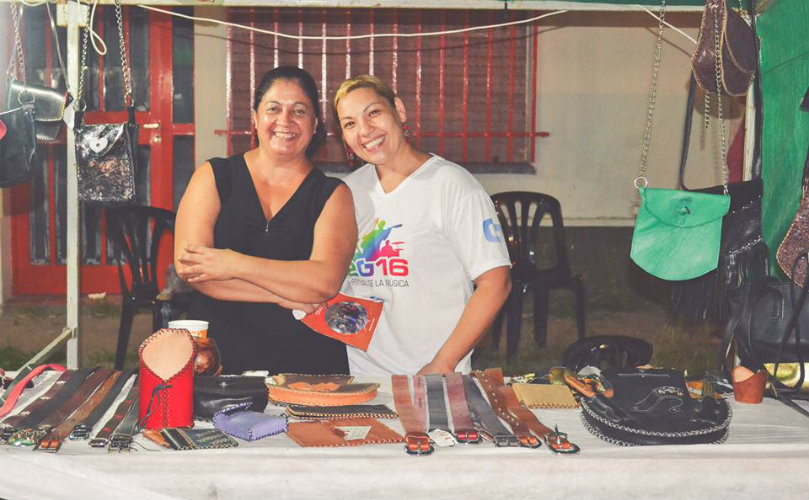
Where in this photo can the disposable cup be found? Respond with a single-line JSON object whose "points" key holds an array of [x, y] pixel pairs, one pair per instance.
{"points": [[197, 327], [748, 387]]}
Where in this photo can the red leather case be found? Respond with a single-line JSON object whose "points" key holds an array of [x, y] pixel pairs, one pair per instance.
{"points": [[167, 379]]}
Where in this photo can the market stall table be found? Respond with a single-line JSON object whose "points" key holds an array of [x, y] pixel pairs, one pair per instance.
{"points": [[765, 456]]}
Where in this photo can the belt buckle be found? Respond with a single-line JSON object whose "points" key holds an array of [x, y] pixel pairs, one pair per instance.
{"points": [[120, 442], [81, 431], [99, 442], [26, 437], [51, 445], [5, 435], [557, 442], [418, 443], [505, 440], [529, 441], [468, 436]]}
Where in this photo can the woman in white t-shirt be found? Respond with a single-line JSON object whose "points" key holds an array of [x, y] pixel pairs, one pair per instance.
{"points": [[429, 241]]}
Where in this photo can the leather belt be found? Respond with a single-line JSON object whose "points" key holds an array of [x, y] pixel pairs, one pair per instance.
{"points": [[417, 442], [87, 387], [465, 431], [435, 403], [102, 437], [36, 388], [523, 433], [22, 428], [9, 398], [82, 430], [118, 430], [485, 419], [556, 441], [52, 441]]}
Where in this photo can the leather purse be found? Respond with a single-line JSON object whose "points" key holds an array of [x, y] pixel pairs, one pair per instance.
{"points": [[677, 233], [738, 49], [212, 394], [106, 155], [49, 106], [319, 390], [653, 407], [166, 380], [238, 421], [17, 146], [743, 255]]}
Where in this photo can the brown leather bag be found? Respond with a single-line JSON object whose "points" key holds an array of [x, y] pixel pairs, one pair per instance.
{"points": [[737, 44]]}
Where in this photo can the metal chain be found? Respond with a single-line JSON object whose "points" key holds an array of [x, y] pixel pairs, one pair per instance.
{"points": [[647, 136], [81, 103], [16, 17], [723, 141], [119, 18]]}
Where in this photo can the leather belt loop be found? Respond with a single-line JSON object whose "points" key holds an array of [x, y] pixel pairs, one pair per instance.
{"points": [[53, 440], [436, 406], [485, 418], [12, 394], [465, 431], [417, 442], [83, 429], [102, 437]]}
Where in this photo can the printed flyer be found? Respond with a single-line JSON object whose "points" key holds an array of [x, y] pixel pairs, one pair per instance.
{"points": [[351, 320]]}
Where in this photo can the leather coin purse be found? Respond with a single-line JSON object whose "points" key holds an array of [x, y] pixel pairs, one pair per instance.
{"points": [[236, 421], [212, 394], [320, 390]]}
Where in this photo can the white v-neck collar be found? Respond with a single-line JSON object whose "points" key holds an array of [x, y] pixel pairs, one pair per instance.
{"points": [[378, 184]]}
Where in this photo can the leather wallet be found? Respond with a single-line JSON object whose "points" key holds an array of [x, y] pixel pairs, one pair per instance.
{"points": [[248, 425], [337, 432], [319, 390], [545, 395], [181, 438], [345, 411]]}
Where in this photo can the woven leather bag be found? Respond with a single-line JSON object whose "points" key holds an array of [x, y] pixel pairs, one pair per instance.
{"points": [[737, 42], [653, 407]]}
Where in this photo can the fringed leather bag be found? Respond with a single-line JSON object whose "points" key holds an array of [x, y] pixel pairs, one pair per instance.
{"points": [[743, 255], [724, 28]]}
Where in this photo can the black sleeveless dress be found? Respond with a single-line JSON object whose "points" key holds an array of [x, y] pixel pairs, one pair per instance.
{"points": [[263, 336]]}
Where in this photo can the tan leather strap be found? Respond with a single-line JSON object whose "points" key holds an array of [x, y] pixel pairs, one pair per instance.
{"points": [[53, 440], [465, 431], [491, 380], [417, 442], [555, 440]]}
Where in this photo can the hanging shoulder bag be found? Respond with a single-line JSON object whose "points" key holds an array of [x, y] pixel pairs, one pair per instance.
{"points": [[677, 233], [17, 145], [106, 154]]}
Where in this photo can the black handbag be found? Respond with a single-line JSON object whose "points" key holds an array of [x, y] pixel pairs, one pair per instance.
{"points": [[212, 394], [743, 255], [653, 407], [17, 145], [106, 155]]}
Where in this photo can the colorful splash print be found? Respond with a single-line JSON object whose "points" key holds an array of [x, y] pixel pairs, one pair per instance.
{"points": [[377, 254]]}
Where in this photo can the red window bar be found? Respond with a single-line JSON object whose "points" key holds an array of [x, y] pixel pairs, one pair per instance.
{"points": [[438, 77]]}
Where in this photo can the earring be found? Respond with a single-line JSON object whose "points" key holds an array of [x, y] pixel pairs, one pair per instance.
{"points": [[351, 155], [406, 132]]}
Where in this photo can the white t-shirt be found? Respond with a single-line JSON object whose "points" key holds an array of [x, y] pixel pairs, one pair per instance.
{"points": [[420, 248]]}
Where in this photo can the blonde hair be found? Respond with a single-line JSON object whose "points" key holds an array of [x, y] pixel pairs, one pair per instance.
{"points": [[360, 82]]}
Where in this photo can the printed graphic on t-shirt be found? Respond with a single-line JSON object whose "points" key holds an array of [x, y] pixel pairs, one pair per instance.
{"points": [[492, 231], [378, 259]]}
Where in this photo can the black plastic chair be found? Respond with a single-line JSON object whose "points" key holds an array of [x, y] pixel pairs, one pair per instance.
{"points": [[136, 233], [607, 350], [520, 214]]}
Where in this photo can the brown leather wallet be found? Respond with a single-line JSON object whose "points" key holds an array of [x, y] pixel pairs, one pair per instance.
{"points": [[319, 390], [328, 432]]}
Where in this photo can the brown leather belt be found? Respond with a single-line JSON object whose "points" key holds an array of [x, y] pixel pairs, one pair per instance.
{"points": [[125, 407], [465, 431], [490, 384], [83, 429], [492, 380], [53, 440], [417, 442]]}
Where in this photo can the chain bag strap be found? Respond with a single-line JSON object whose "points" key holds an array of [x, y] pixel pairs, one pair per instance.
{"points": [[106, 154], [677, 233]]}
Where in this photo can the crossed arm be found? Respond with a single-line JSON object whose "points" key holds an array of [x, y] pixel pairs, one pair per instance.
{"points": [[229, 275]]}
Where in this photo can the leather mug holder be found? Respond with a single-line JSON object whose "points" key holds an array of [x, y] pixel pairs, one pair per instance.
{"points": [[167, 380]]}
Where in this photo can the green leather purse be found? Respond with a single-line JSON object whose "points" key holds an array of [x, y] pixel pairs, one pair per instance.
{"points": [[677, 233]]}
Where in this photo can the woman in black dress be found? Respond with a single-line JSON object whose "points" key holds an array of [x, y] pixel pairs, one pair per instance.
{"points": [[261, 233]]}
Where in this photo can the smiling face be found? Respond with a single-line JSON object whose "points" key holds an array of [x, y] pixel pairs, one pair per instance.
{"points": [[285, 119], [371, 126]]}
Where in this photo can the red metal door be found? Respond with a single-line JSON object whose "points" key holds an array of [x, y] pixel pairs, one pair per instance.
{"points": [[37, 221]]}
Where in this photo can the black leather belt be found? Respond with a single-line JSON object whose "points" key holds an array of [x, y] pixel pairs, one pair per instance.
{"points": [[484, 418], [23, 427], [437, 408], [127, 410], [82, 430]]}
